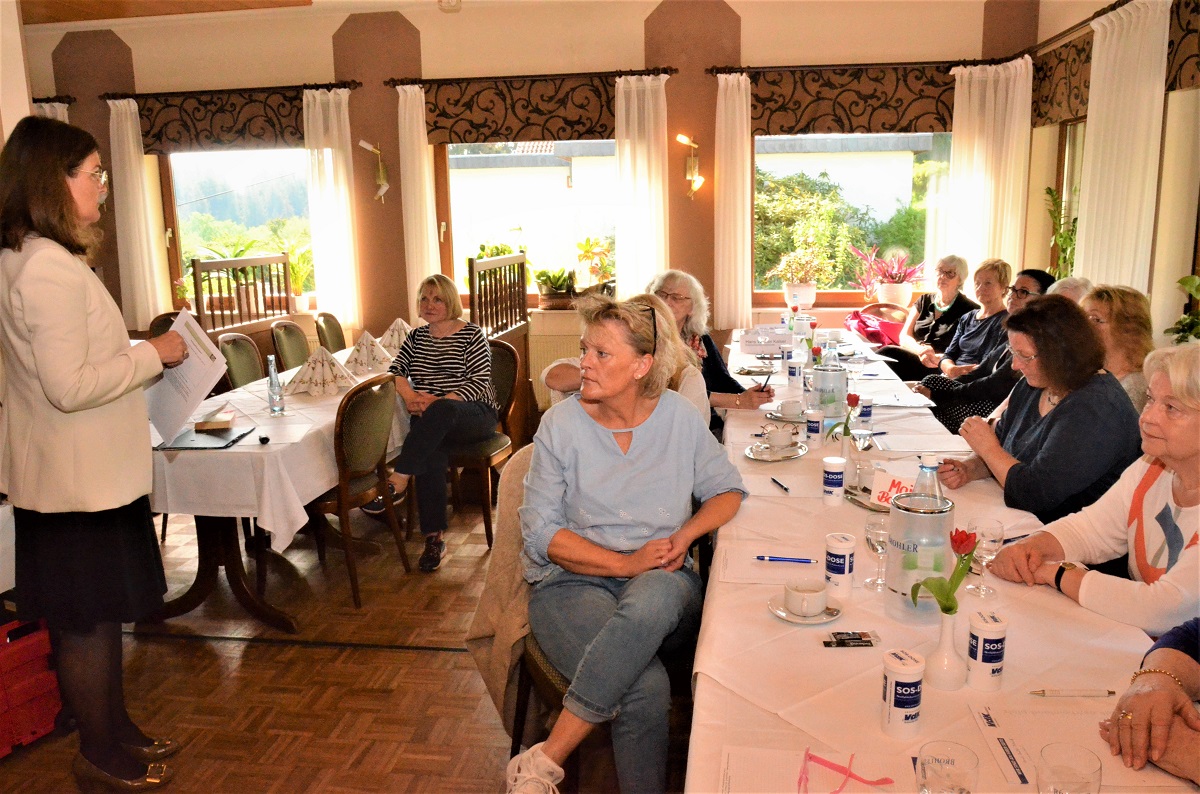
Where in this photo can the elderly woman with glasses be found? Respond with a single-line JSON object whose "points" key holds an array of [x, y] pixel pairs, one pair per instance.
{"points": [[1122, 317], [607, 527], [931, 322], [1069, 430], [1151, 514], [979, 332], [980, 391]]}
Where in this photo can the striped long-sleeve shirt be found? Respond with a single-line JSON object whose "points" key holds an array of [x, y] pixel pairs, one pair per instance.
{"points": [[460, 363]]}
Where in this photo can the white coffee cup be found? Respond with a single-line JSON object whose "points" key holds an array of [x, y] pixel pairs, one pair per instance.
{"points": [[779, 438], [806, 594], [792, 409]]}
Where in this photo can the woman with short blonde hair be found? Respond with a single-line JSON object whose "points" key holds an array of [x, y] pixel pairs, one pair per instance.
{"points": [[607, 521]]}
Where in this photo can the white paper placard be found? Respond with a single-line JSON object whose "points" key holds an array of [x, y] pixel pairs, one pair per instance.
{"points": [[174, 396]]}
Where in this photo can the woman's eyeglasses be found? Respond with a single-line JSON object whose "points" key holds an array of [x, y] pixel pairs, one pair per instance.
{"points": [[672, 297], [1020, 293], [100, 175], [1022, 356], [653, 328]]}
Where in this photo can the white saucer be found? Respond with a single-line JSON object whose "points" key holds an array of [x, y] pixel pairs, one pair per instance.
{"points": [[775, 607], [762, 452], [775, 416]]}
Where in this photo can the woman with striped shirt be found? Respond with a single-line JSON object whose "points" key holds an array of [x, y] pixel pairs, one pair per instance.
{"points": [[444, 376]]}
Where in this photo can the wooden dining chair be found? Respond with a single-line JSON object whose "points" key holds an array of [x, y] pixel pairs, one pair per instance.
{"points": [[360, 445], [162, 323], [329, 332], [886, 311], [484, 456], [291, 345], [242, 359]]}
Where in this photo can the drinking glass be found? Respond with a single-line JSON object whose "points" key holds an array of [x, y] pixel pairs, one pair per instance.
{"points": [[877, 541], [946, 768], [989, 535], [854, 365], [861, 433], [1068, 769]]}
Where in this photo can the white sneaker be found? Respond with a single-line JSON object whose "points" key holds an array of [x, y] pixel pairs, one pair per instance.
{"points": [[532, 772]]}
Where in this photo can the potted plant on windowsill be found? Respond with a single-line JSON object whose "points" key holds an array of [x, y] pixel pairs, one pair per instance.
{"points": [[887, 279], [597, 256], [556, 288], [1187, 327], [801, 271]]}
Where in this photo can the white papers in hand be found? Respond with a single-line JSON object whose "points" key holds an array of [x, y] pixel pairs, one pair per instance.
{"points": [[175, 395]]}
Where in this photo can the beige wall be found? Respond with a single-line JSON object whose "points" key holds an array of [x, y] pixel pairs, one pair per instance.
{"points": [[14, 78], [1055, 16], [1043, 170], [502, 37], [1174, 246]]}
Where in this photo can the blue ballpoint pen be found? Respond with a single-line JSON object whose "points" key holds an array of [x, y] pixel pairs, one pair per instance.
{"points": [[769, 558]]}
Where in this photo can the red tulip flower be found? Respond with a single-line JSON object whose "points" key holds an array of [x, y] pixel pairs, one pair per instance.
{"points": [[816, 351], [812, 324], [852, 400], [961, 542], [795, 309]]}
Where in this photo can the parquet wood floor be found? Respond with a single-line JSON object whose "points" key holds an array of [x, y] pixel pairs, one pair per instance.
{"points": [[384, 699]]}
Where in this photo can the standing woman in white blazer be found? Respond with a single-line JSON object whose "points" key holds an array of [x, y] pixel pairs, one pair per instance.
{"points": [[75, 442]]}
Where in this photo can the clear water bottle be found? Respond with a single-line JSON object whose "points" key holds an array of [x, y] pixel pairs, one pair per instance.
{"points": [[927, 479], [274, 388]]}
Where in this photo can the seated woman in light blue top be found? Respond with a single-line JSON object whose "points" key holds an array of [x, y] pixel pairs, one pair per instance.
{"points": [[607, 522]]}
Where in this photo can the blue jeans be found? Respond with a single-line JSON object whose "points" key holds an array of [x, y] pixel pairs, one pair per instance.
{"points": [[604, 634], [426, 452]]}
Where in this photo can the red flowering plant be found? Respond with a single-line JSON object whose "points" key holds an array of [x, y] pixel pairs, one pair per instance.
{"points": [[842, 428], [943, 589], [893, 269]]}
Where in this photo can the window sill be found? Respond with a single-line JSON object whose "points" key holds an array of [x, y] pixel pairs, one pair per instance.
{"points": [[826, 299]]}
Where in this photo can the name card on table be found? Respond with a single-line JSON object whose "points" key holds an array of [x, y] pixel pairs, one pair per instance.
{"points": [[772, 335], [886, 485]]}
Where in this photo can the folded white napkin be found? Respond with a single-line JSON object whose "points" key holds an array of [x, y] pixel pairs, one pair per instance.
{"points": [[367, 356], [395, 335], [321, 374]]}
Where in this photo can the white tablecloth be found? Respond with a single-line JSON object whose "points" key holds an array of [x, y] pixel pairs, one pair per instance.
{"points": [[762, 682], [271, 481]]}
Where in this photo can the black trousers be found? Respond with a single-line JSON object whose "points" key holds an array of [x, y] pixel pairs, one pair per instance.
{"points": [[426, 452]]}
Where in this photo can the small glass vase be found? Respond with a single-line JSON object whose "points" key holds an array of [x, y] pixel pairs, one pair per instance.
{"points": [[945, 668]]}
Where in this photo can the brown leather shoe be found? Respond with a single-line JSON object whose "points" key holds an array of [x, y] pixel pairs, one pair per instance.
{"points": [[162, 748]]}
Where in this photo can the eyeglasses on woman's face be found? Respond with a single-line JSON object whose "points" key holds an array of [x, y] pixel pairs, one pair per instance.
{"points": [[1023, 294], [947, 273], [100, 175], [673, 297], [1022, 357]]}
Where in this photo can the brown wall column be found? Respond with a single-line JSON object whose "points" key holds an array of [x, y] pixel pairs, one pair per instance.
{"points": [[371, 48], [692, 35], [86, 65], [1009, 26]]}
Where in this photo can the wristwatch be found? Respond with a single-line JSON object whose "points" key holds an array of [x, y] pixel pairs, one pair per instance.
{"points": [[1063, 567]]}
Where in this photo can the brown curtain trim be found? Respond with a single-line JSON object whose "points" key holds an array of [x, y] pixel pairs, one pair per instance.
{"points": [[1061, 78], [536, 109], [271, 118], [917, 98], [1183, 50]]}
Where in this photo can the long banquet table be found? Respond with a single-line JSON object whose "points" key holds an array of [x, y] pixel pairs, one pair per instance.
{"points": [[766, 690], [271, 482]]}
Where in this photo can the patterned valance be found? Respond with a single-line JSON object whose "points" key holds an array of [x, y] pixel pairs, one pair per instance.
{"points": [[916, 98], [521, 109], [1183, 51], [270, 118], [1061, 78]]}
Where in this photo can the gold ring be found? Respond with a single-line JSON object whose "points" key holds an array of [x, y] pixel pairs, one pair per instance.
{"points": [[1125, 715]]}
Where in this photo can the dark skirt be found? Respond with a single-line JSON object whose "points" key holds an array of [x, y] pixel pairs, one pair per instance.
{"points": [[79, 569]]}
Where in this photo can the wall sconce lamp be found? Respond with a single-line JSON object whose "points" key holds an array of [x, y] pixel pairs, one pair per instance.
{"points": [[381, 178], [691, 169]]}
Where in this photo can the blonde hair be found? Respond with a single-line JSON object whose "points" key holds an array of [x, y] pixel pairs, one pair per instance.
{"points": [[1002, 269], [644, 321], [446, 290], [684, 355], [1181, 365], [1129, 316]]}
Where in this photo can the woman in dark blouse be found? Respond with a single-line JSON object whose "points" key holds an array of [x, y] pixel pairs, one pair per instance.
{"points": [[979, 332], [689, 305], [1069, 430], [931, 322]]}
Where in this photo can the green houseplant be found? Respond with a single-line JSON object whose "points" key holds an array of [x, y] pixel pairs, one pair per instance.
{"points": [[800, 272], [1187, 327], [556, 288], [1063, 234]]}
